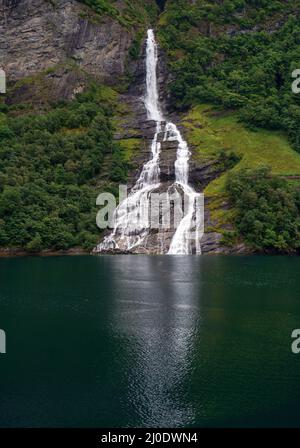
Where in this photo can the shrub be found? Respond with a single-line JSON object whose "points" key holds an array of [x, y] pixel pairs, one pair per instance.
{"points": [[268, 212]]}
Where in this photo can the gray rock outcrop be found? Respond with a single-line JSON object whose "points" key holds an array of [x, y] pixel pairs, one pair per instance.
{"points": [[38, 34]]}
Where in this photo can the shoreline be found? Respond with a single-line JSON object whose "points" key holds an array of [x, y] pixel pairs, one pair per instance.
{"points": [[7, 252]]}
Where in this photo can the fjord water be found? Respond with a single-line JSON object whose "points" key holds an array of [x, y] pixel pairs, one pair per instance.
{"points": [[149, 341]]}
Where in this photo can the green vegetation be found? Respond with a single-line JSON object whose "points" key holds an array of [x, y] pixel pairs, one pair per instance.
{"points": [[236, 53], [55, 158], [133, 13], [211, 133], [232, 62], [267, 210], [53, 165], [130, 147]]}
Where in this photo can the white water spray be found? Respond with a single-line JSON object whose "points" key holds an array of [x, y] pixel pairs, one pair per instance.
{"points": [[152, 99], [190, 229], [131, 225], [131, 222]]}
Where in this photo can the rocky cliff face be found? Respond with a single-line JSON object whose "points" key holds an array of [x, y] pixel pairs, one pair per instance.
{"points": [[37, 35]]}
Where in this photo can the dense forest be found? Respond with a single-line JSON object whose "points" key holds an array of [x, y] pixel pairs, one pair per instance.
{"points": [[235, 57], [267, 210], [50, 172], [242, 56], [239, 55]]}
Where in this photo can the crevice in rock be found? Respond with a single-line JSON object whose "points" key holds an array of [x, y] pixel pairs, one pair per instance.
{"points": [[161, 4]]}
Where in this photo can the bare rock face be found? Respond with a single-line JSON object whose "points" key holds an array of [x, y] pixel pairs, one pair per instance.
{"points": [[38, 34]]}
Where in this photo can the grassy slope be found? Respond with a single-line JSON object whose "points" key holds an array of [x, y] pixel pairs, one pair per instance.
{"points": [[130, 147], [210, 132]]}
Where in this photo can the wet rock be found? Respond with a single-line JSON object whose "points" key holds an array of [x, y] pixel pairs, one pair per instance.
{"points": [[210, 243], [201, 174], [167, 160]]}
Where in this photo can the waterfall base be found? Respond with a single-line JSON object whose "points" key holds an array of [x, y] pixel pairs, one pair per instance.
{"points": [[162, 213]]}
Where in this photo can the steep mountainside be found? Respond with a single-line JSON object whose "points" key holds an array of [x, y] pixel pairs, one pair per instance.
{"points": [[57, 153], [73, 124], [239, 56]]}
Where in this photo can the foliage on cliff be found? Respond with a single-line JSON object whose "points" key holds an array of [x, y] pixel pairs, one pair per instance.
{"points": [[130, 13], [53, 165], [212, 132], [236, 53], [268, 210], [239, 55]]}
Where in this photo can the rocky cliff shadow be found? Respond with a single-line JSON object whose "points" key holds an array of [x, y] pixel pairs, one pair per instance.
{"points": [[161, 4]]}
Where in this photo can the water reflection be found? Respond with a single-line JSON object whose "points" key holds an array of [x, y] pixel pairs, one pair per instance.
{"points": [[149, 341], [156, 310]]}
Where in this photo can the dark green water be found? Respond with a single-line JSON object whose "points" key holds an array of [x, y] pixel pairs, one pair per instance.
{"points": [[149, 341]]}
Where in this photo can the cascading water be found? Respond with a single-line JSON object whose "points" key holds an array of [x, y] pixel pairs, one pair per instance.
{"points": [[152, 100], [131, 222], [131, 225], [190, 228]]}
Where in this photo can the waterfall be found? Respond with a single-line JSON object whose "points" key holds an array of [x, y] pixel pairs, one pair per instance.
{"points": [[131, 222], [190, 227], [131, 226], [152, 100]]}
